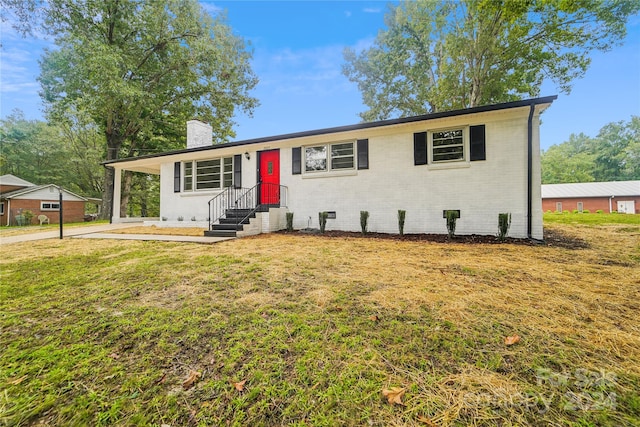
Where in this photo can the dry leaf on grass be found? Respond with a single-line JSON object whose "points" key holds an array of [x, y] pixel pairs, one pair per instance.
{"points": [[427, 421], [239, 386], [374, 318], [513, 339], [394, 395], [191, 380], [18, 380]]}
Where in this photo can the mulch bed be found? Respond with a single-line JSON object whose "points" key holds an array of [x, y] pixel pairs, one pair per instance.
{"points": [[553, 238]]}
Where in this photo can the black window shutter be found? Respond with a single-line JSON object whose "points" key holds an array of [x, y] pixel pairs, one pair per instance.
{"points": [[296, 160], [237, 171], [478, 147], [363, 154], [176, 177], [420, 148]]}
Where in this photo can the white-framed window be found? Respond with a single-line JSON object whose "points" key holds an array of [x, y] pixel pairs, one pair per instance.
{"points": [[447, 145], [49, 206], [559, 207], [329, 157], [212, 174], [580, 207]]}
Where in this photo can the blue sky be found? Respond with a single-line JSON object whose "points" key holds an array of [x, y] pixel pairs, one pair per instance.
{"points": [[298, 48]]}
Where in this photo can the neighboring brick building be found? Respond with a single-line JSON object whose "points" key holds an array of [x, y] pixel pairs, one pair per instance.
{"points": [[619, 196], [18, 196]]}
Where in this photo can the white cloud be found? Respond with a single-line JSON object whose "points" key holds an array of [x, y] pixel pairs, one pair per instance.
{"points": [[210, 7], [371, 10], [312, 72], [347, 13]]}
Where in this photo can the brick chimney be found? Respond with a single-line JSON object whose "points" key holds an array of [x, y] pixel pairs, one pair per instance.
{"points": [[199, 134]]}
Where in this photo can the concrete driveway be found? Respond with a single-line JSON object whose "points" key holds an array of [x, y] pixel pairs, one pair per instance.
{"points": [[101, 231]]}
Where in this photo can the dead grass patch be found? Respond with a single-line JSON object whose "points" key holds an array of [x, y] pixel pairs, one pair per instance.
{"points": [[318, 326], [162, 231]]}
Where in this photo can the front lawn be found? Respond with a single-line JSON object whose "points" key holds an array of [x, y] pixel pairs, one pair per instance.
{"points": [[302, 330], [590, 218]]}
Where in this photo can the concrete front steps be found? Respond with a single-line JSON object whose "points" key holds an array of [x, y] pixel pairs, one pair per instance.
{"points": [[273, 219]]}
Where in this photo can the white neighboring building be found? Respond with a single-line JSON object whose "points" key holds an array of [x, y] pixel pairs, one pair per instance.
{"points": [[479, 161]]}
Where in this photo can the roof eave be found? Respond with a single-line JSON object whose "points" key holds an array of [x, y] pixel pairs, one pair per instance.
{"points": [[359, 126]]}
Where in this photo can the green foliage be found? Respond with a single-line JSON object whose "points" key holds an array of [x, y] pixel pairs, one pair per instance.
{"points": [[452, 218], [364, 219], [599, 211], [504, 222], [141, 71], [436, 56], [612, 155], [289, 221], [401, 216], [322, 220]]}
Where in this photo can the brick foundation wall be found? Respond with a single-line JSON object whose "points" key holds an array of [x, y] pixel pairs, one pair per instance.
{"points": [[592, 204]]}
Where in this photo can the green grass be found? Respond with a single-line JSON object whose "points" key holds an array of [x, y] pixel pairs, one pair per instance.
{"points": [[104, 333], [590, 218]]}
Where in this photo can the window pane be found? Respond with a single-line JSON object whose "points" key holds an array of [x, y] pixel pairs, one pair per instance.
{"points": [[208, 174], [342, 150], [447, 153], [448, 145], [342, 156], [342, 163], [447, 137], [315, 159], [188, 176], [228, 164], [227, 180]]}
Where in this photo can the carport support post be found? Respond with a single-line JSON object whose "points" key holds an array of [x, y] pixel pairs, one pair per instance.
{"points": [[60, 204]]}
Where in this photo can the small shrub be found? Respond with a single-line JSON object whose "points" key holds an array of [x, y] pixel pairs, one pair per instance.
{"points": [[28, 216], [364, 219], [180, 218], [575, 211], [549, 211], [322, 219], [504, 222], [289, 221], [558, 212], [401, 216], [193, 218], [614, 212], [452, 217], [164, 218], [599, 211], [586, 211]]}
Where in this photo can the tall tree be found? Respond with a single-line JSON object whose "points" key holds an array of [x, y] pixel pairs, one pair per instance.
{"points": [[442, 55], [142, 68], [31, 150], [66, 154]]}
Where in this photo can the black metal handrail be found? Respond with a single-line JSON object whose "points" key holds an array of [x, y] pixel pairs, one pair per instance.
{"points": [[250, 199]]}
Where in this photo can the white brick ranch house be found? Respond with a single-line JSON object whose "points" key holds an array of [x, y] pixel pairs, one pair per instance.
{"points": [[479, 161]]}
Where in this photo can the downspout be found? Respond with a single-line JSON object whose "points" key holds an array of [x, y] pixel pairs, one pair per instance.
{"points": [[8, 212], [530, 169]]}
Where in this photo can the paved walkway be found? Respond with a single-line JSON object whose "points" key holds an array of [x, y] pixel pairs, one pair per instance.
{"points": [[101, 231]]}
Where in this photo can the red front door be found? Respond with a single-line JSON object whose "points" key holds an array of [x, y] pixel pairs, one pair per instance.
{"points": [[269, 174]]}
